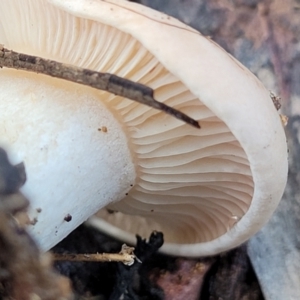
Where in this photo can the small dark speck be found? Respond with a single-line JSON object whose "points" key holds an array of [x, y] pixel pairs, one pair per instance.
{"points": [[68, 218], [33, 221], [39, 210], [152, 210], [126, 194], [131, 185], [26, 58], [88, 72]]}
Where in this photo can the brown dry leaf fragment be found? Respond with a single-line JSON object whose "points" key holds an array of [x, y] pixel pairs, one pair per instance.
{"points": [[25, 272], [185, 282]]}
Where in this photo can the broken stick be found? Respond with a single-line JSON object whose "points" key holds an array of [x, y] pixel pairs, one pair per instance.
{"points": [[102, 81], [126, 256]]}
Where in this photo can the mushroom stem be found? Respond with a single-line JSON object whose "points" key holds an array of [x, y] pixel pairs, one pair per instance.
{"points": [[102, 81], [69, 155]]}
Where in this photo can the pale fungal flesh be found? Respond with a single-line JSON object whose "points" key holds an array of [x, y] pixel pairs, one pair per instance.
{"points": [[208, 190]]}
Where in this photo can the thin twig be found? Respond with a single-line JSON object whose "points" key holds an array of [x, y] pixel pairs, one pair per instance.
{"points": [[102, 81], [126, 256]]}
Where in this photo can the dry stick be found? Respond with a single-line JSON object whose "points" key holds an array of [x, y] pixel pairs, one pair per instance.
{"points": [[102, 81], [103, 257], [126, 256]]}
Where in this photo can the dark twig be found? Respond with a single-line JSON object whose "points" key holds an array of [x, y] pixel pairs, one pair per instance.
{"points": [[102, 81]]}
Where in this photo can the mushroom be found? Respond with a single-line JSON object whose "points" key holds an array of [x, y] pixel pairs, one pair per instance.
{"points": [[207, 190]]}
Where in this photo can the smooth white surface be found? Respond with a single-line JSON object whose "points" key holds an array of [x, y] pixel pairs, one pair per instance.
{"points": [[71, 166]]}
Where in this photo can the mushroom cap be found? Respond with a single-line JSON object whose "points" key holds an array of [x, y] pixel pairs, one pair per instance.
{"points": [[208, 190]]}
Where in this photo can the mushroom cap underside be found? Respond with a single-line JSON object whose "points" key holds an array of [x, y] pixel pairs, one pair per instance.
{"points": [[208, 190]]}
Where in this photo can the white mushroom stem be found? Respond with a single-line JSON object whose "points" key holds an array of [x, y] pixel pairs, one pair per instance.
{"points": [[61, 151]]}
